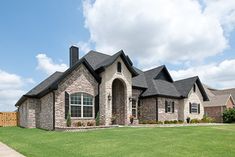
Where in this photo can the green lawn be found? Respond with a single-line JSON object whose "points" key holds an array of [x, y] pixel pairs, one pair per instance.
{"points": [[213, 141]]}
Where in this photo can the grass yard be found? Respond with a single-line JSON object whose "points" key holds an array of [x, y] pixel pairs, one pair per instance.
{"points": [[213, 141]]}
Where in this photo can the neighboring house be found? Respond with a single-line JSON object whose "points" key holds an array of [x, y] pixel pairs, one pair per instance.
{"points": [[220, 100], [112, 87]]}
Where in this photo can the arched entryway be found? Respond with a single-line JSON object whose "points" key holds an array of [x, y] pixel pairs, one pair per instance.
{"points": [[118, 102]]}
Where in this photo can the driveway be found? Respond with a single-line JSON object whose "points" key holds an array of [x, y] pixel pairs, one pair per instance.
{"points": [[6, 151]]}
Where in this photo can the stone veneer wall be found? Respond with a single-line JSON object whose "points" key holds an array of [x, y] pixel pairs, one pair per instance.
{"points": [[23, 110], [28, 113], [147, 109], [45, 112], [108, 76], [162, 116], [80, 80], [193, 97], [135, 95]]}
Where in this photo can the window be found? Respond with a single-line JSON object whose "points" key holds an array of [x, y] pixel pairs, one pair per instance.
{"points": [[81, 105], [194, 88], [169, 106], [134, 108], [119, 67], [194, 108]]}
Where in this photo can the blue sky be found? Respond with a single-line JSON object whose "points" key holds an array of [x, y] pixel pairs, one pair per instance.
{"points": [[31, 27], [192, 38]]}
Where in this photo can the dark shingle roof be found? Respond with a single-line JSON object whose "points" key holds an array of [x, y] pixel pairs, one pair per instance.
{"points": [[155, 86], [184, 86], [44, 84], [139, 81], [94, 58], [161, 88], [51, 83]]}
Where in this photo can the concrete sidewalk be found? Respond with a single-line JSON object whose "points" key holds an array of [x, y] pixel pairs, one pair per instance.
{"points": [[6, 151]]}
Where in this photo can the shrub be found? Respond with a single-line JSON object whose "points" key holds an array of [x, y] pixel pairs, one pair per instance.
{"points": [[68, 121], [175, 122], [180, 122], [79, 124], [90, 124], [142, 122], [207, 119], [229, 116], [152, 122], [195, 121], [148, 122], [159, 122], [97, 119], [166, 122]]}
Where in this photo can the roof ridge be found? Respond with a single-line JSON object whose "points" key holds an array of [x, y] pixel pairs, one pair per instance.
{"points": [[187, 78], [161, 66]]}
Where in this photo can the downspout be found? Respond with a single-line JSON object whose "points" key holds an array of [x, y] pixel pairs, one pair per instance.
{"points": [[53, 110], [156, 108]]}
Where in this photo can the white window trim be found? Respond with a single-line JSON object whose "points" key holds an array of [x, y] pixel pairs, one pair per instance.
{"points": [[136, 108], [93, 107], [169, 106], [194, 108]]}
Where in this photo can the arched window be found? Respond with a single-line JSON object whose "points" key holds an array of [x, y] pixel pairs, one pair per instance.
{"points": [[81, 105], [119, 67]]}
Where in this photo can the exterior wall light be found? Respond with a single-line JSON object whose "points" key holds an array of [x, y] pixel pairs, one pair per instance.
{"points": [[130, 99], [109, 97]]}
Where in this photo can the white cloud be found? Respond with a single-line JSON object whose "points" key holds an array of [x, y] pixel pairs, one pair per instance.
{"points": [[224, 11], [11, 89], [165, 30], [48, 66], [219, 75]]}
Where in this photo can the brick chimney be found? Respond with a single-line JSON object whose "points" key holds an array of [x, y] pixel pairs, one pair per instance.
{"points": [[74, 55]]}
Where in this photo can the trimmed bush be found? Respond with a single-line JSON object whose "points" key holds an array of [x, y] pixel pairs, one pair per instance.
{"points": [[97, 119], [68, 121], [229, 116], [195, 121], [159, 122], [180, 122], [207, 119], [90, 124], [79, 124]]}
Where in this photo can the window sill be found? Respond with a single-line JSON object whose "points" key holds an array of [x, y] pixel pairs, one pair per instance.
{"points": [[85, 118]]}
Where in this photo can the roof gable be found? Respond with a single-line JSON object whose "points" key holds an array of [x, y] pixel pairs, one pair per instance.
{"points": [[219, 100], [51, 83], [185, 86], [107, 62], [164, 75], [158, 81]]}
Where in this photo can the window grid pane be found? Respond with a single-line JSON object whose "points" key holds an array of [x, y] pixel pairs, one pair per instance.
{"points": [[87, 111], [134, 112], [168, 106], [75, 111], [194, 108], [87, 100], [75, 99]]}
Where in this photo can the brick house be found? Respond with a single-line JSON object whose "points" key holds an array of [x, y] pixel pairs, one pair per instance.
{"points": [[112, 87], [220, 100]]}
